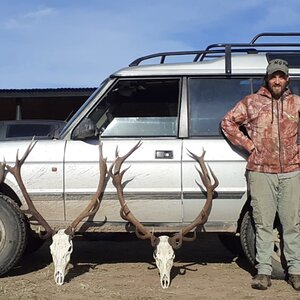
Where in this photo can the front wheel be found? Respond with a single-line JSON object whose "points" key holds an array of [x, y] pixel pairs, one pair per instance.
{"points": [[13, 235], [247, 236]]}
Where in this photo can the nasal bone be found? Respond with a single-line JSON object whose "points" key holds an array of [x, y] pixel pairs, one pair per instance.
{"points": [[165, 282], [59, 278]]}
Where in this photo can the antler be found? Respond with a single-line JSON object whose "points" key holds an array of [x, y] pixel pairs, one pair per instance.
{"points": [[176, 240], [16, 172], [94, 204], [114, 171]]}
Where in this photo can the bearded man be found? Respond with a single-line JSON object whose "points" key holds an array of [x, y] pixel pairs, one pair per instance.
{"points": [[270, 118]]}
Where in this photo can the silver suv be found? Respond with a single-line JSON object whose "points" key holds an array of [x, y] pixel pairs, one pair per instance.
{"points": [[172, 106]]}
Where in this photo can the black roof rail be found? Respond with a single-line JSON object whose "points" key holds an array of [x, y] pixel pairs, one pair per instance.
{"points": [[269, 34], [219, 50]]}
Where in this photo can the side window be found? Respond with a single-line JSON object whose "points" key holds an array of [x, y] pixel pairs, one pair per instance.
{"points": [[257, 83], [295, 86], [210, 99], [137, 108]]}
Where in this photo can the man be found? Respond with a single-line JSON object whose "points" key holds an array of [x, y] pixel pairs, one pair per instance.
{"points": [[271, 118]]}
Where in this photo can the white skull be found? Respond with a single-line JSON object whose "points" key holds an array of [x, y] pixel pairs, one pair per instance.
{"points": [[164, 256], [61, 249]]}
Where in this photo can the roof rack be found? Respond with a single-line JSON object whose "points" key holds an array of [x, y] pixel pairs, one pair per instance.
{"points": [[220, 50]]}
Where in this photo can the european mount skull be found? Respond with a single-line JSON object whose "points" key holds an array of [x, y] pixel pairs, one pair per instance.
{"points": [[61, 249], [164, 256], [164, 246]]}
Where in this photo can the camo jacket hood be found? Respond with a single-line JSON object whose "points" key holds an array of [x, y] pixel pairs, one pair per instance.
{"points": [[272, 127]]}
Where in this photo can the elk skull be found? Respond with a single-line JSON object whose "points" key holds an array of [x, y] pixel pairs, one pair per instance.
{"points": [[61, 249], [164, 256]]}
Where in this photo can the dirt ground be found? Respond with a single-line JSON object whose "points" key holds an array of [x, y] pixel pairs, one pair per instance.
{"points": [[121, 267]]}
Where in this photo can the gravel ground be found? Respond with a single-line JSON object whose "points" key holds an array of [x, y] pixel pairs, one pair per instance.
{"points": [[119, 266]]}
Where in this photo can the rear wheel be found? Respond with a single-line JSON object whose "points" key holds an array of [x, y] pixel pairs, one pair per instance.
{"points": [[247, 236], [13, 235]]}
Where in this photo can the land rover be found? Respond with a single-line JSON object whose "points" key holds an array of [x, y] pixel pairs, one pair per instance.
{"points": [[173, 102]]}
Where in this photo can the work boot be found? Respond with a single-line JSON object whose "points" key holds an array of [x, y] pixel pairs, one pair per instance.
{"points": [[261, 282], [294, 281]]}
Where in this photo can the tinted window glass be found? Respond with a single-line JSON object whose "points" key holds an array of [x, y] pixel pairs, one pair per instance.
{"points": [[23, 130], [295, 86], [139, 108], [256, 84], [210, 99]]}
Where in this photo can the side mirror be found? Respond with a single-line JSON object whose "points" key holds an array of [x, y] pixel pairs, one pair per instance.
{"points": [[85, 129]]}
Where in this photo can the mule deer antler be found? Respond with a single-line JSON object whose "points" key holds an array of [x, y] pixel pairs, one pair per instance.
{"points": [[176, 240], [16, 172]]}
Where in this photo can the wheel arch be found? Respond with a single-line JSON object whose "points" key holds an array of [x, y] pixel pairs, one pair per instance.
{"points": [[8, 191]]}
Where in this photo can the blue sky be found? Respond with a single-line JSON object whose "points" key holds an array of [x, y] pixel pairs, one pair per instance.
{"points": [[78, 43]]}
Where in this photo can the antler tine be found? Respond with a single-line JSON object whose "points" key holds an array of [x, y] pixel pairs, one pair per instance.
{"points": [[28, 150], [141, 231], [94, 204], [204, 175], [176, 240], [16, 172], [120, 159]]}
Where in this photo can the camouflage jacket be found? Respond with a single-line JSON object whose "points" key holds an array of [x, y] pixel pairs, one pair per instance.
{"points": [[272, 127]]}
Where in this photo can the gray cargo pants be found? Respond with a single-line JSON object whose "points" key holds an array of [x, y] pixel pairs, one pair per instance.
{"points": [[271, 193]]}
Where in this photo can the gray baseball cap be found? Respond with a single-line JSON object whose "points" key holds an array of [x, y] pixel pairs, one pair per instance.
{"points": [[278, 65]]}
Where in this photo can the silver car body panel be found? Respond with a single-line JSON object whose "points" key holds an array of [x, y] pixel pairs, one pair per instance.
{"points": [[62, 175]]}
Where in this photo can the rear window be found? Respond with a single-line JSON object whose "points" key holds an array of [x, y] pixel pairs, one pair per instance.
{"points": [[211, 98], [295, 85]]}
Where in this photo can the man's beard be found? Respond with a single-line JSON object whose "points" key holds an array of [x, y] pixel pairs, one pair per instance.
{"points": [[277, 92]]}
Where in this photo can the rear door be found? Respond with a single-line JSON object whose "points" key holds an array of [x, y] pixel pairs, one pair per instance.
{"points": [[133, 110], [209, 100]]}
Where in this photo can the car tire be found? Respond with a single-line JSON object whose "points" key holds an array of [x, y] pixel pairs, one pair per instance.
{"points": [[247, 236], [13, 234]]}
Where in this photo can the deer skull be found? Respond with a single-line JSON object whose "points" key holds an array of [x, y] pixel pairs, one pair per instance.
{"points": [[61, 249], [164, 256]]}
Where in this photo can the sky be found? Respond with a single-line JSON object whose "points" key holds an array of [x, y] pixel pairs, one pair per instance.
{"points": [[78, 43]]}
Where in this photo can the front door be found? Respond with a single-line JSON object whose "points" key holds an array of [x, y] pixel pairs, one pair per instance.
{"points": [[133, 110]]}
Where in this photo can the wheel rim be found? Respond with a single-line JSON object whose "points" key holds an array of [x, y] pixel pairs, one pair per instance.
{"points": [[2, 235], [277, 248]]}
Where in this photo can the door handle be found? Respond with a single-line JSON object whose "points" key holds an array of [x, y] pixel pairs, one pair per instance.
{"points": [[164, 154]]}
